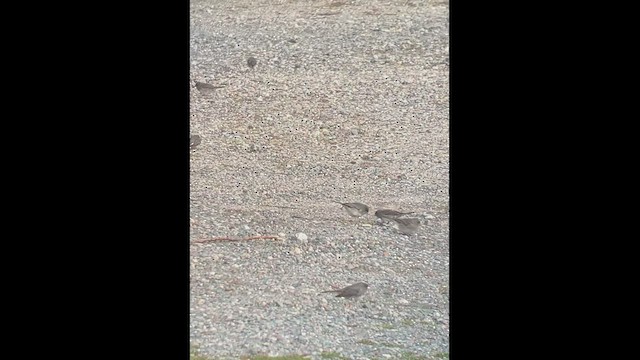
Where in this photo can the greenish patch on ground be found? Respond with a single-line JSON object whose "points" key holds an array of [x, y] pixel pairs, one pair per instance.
{"points": [[412, 356], [332, 355], [366, 342], [441, 355], [443, 289], [416, 323], [194, 355], [371, 342], [285, 357]]}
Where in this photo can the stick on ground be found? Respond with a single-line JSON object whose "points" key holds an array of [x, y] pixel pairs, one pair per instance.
{"points": [[224, 238]]}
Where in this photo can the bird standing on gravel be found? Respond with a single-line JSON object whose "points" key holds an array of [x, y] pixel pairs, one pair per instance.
{"points": [[407, 226], [251, 61], [205, 88], [390, 214], [351, 291], [194, 140], [355, 209]]}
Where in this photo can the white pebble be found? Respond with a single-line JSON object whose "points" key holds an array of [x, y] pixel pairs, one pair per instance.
{"points": [[302, 236]]}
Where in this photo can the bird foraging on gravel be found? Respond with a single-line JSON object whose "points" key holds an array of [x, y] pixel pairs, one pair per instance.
{"points": [[391, 214], [251, 61], [194, 140], [204, 87], [354, 209], [407, 226], [351, 291]]}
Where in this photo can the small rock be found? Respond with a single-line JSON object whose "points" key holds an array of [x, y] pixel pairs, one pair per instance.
{"points": [[251, 61], [302, 236]]}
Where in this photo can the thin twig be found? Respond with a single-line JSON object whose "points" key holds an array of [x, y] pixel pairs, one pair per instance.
{"points": [[223, 238], [282, 207], [316, 220]]}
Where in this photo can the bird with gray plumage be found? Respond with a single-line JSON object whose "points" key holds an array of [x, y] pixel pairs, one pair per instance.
{"points": [[387, 214], [354, 209], [205, 88], [194, 140], [351, 291], [407, 226]]}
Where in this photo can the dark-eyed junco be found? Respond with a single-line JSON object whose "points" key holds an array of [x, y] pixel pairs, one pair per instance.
{"points": [[251, 61], [407, 226], [354, 209], [194, 140], [355, 290], [391, 214]]}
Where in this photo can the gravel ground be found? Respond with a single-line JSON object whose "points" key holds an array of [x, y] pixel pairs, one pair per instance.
{"points": [[349, 101]]}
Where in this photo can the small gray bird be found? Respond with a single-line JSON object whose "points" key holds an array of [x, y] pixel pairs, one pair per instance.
{"points": [[391, 214], [354, 209], [251, 61], [204, 87], [194, 140], [407, 226], [351, 291]]}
